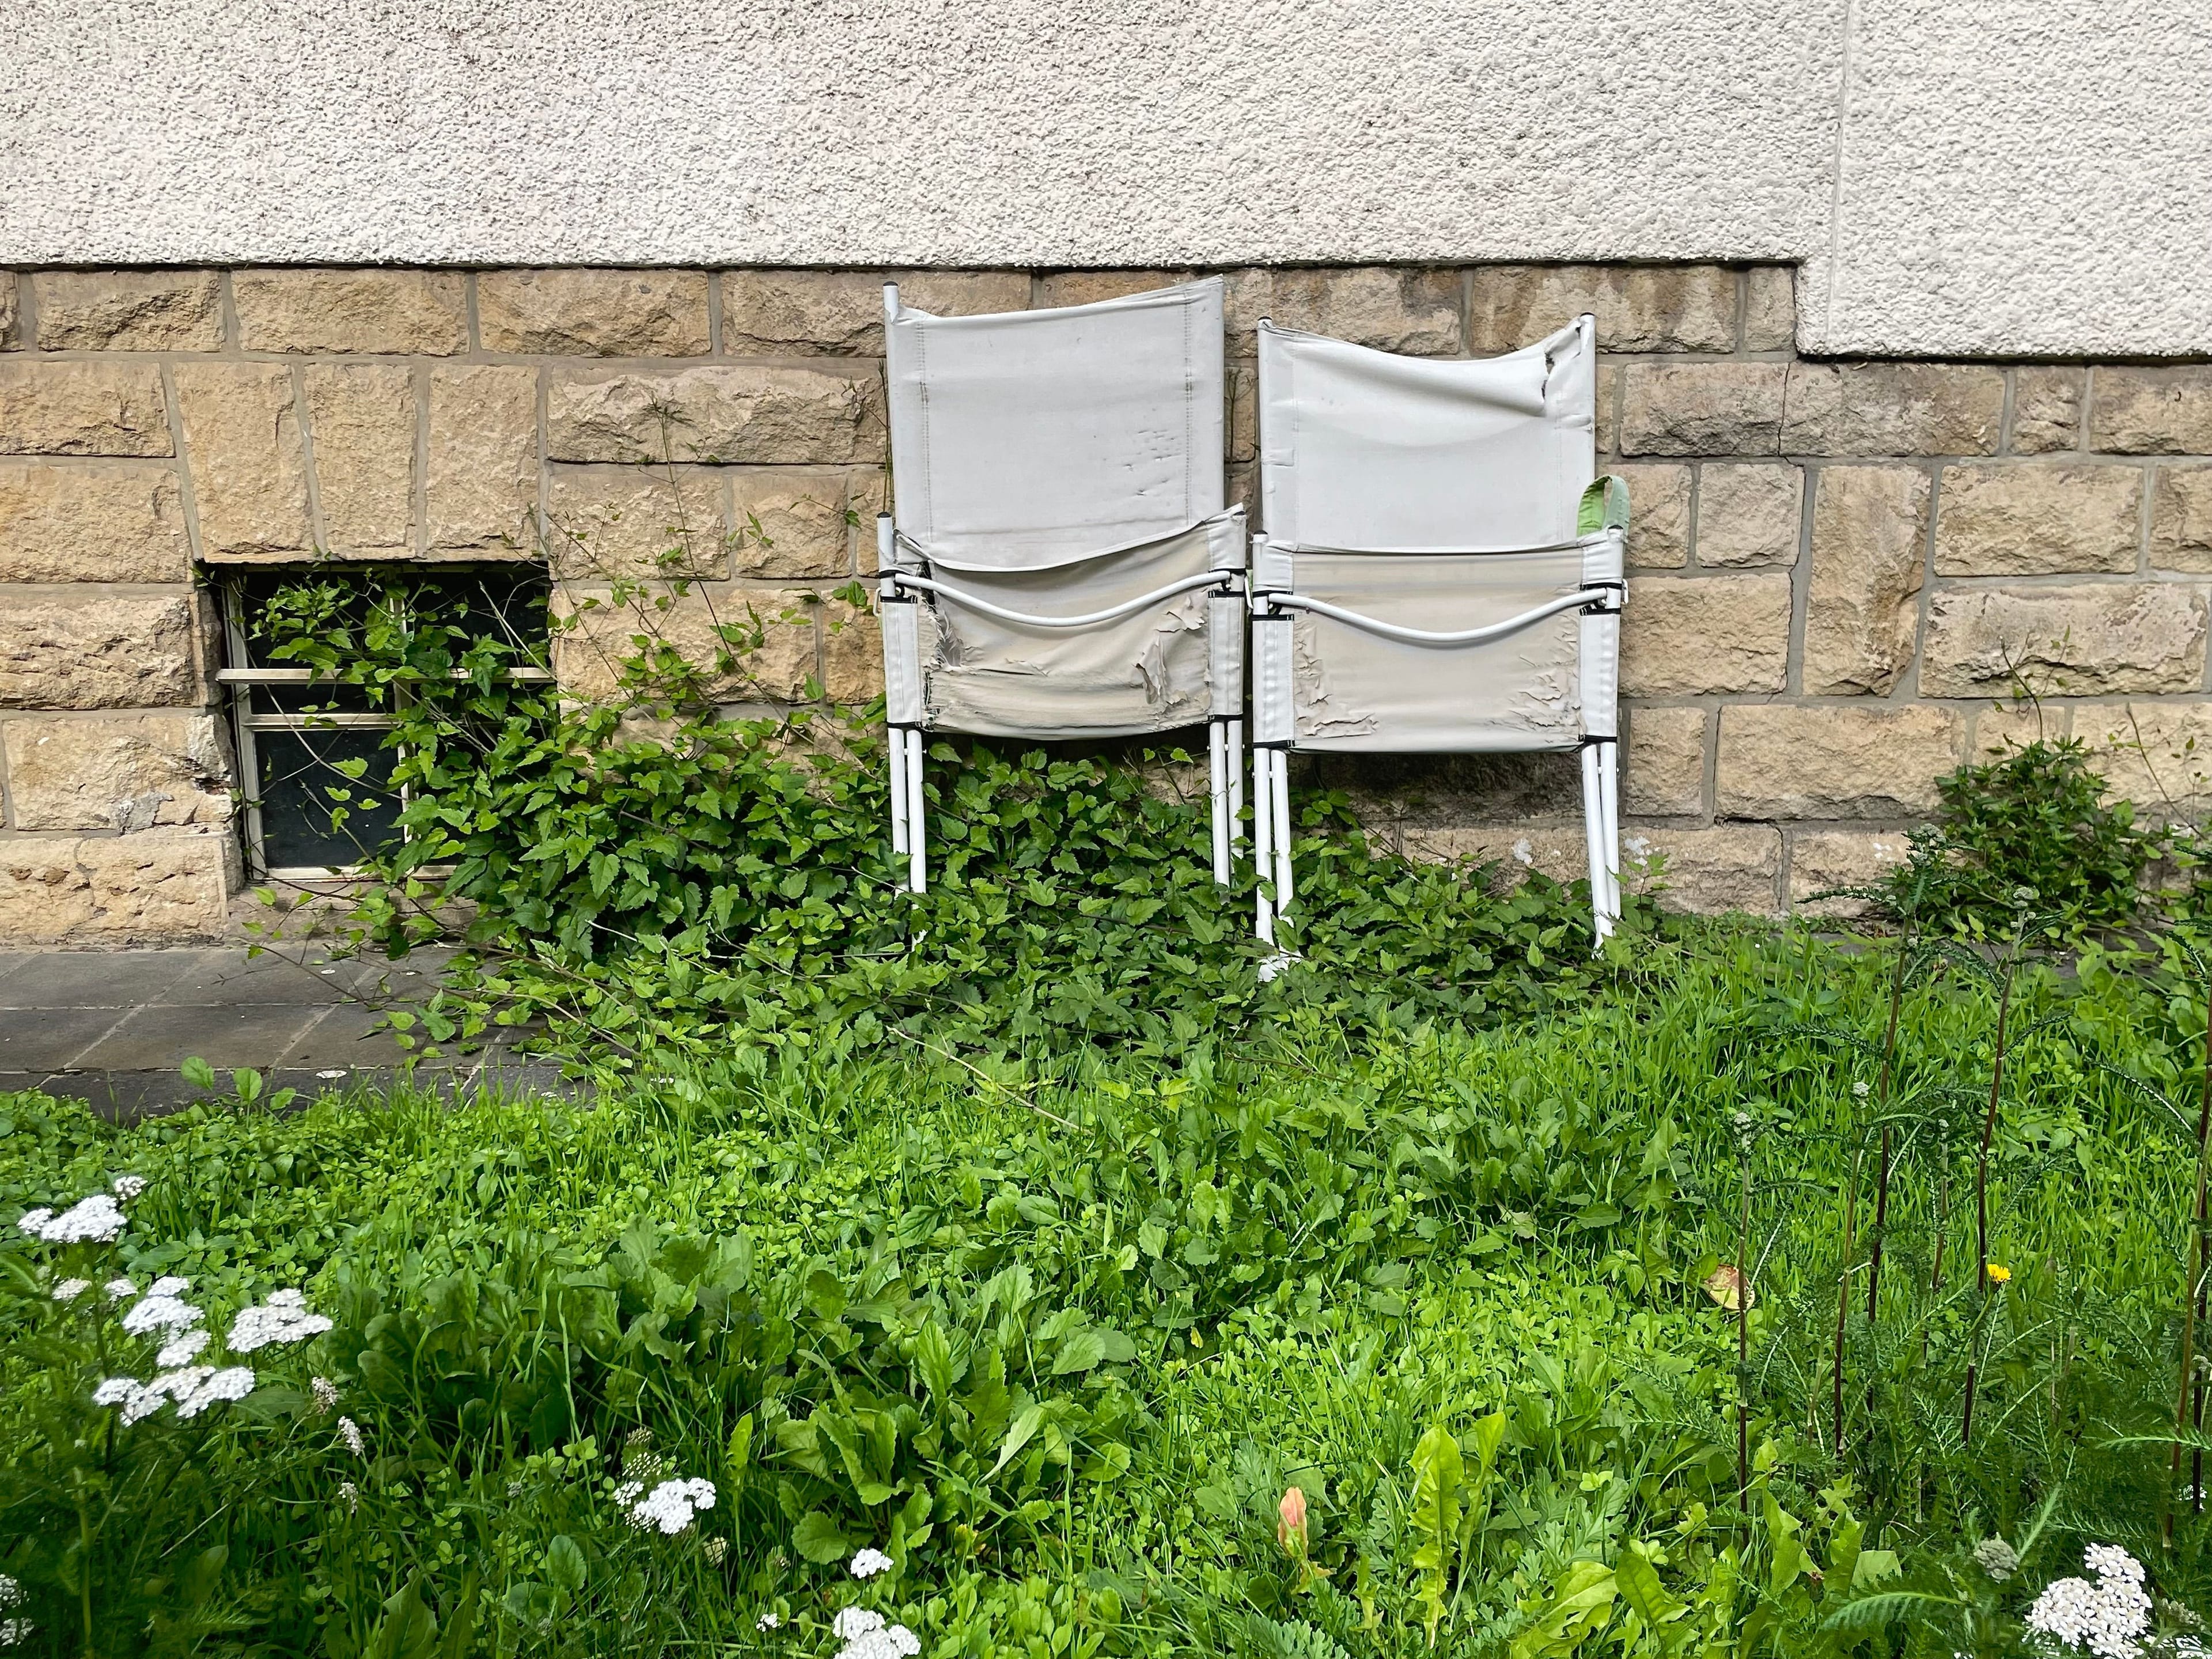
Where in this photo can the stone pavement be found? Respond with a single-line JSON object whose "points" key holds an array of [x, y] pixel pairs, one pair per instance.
{"points": [[112, 1027]]}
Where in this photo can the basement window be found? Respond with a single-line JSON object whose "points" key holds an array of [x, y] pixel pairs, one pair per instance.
{"points": [[298, 730]]}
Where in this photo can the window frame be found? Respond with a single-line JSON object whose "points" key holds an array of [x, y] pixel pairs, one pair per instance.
{"points": [[238, 678]]}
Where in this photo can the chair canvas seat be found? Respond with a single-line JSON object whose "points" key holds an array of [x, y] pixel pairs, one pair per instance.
{"points": [[1056, 467]]}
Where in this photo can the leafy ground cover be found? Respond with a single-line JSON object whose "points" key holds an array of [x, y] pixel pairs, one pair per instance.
{"points": [[1057, 1336]]}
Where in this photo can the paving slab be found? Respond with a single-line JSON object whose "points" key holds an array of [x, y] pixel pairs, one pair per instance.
{"points": [[50, 1039], [161, 1037], [95, 979]]}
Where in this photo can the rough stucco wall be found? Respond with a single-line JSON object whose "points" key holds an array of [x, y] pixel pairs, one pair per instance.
{"points": [[2014, 177]]}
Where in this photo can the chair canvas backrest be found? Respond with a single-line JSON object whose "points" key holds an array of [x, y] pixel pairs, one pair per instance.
{"points": [[1034, 438]]}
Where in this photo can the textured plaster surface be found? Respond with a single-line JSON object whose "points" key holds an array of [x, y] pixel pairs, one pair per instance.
{"points": [[2007, 176]]}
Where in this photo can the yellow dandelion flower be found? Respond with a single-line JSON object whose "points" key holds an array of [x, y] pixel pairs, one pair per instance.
{"points": [[1997, 1271]]}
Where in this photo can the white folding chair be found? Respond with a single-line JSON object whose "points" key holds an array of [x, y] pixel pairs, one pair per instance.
{"points": [[1059, 563], [1439, 572]]}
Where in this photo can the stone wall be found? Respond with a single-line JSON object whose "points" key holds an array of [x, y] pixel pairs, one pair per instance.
{"points": [[1841, 570]]}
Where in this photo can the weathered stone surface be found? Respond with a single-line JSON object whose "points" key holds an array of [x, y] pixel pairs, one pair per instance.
{"points": [[1769, 308], [249, 474], [120, 522], [83, 409], [118, 890], [361, 419], [480, 492], [1702, 409], [1556, 849], [128, 772], [2039, 520], [2181, 518], [587, 657], [2046, 409], [1658, 515], [1825, 860], [1730, 867], [1686, 635], [413, 311], [1415, 311], [11, 329], [787, 314], [1663, 772], [98, 648], [2151, 412], [852, 654], [1894, 408], [1638, 308], [611, 522], [1085, 288], [734, 414], [791, 522], [2001, 728], [594, 314], [1749, 514], [130, 311], [2156, 754], [1829, 761], [1241, 422], [2077, 641], [1862, 603]]}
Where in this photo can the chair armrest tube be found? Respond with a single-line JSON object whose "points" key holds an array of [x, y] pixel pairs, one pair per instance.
{"points": [[969, 601], [1605, 598]]}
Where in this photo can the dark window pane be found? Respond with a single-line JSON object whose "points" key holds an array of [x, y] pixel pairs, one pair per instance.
{"points": [[298, 769]]}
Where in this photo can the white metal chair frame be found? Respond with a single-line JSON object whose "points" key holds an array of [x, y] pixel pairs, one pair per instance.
{"points": [[1601, 522]]}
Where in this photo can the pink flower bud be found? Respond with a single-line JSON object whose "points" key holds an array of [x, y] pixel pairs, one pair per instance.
{"points": [[1292, 1530]]}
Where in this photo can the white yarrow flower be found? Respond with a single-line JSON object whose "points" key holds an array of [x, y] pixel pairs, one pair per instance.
{"points": [[117, 1289], [181, 1349], [669, 1507], [870, 1562], [349, 1431], [69, 1289], [12, 1631], [2104, 1617], [128, 1187], [325, 1394], [232, 1382], [855, 1622], [1861, 1089], [160, 1312], [169, 1284], [33, 1222], [95, 1220], [767, 1622], [283, 1318], [866, 1636], [350, 1495]]}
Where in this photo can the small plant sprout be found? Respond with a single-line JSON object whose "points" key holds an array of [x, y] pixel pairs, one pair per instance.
{"points": [[867, 1563], [2103, 1616], [669, 1508], [864, 1635]]}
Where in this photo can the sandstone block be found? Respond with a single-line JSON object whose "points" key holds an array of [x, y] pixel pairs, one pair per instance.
{"points": [[1730, 867], [2156, 754], [792, 523], [1414, 311], [2074, 641], [1894, 408], [1084, 288], [121, 522], [1638, 308], [123, 889], [1658, 515], [613, 522], [730, 415], [128, 772], [130, 311], [362, 420], [1663, 772], [851, 654], [1863, 603], [2003, 728], [807, 313], [1769, 308], [2152, 412], [11, 322], [482, 489], [1776, 760], [1825, 860], [749, 645], [1702, 409], [396, 312], [2181, 518], [2046, 409], [1553, 849], [83, 409], [1683, 636], [98, 648], [1749, 514], [249, 474], [2037, 520], [1241, 423], [594, 314]]}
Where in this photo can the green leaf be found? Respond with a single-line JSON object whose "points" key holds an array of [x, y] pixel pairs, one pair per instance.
{"points": [[1436, 1471], [1639, 1583], [565, 1566], [198, 1073], [1079, 1352], [818, 1538], [1018, 1434]]}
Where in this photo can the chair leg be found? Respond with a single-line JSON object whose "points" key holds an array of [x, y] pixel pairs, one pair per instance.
{"points": [[1235, 782], [1264, 837], [1592, 843], [918, 865], [898, 791], [1609, 791], [1217, 755], [1281, 791]]}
